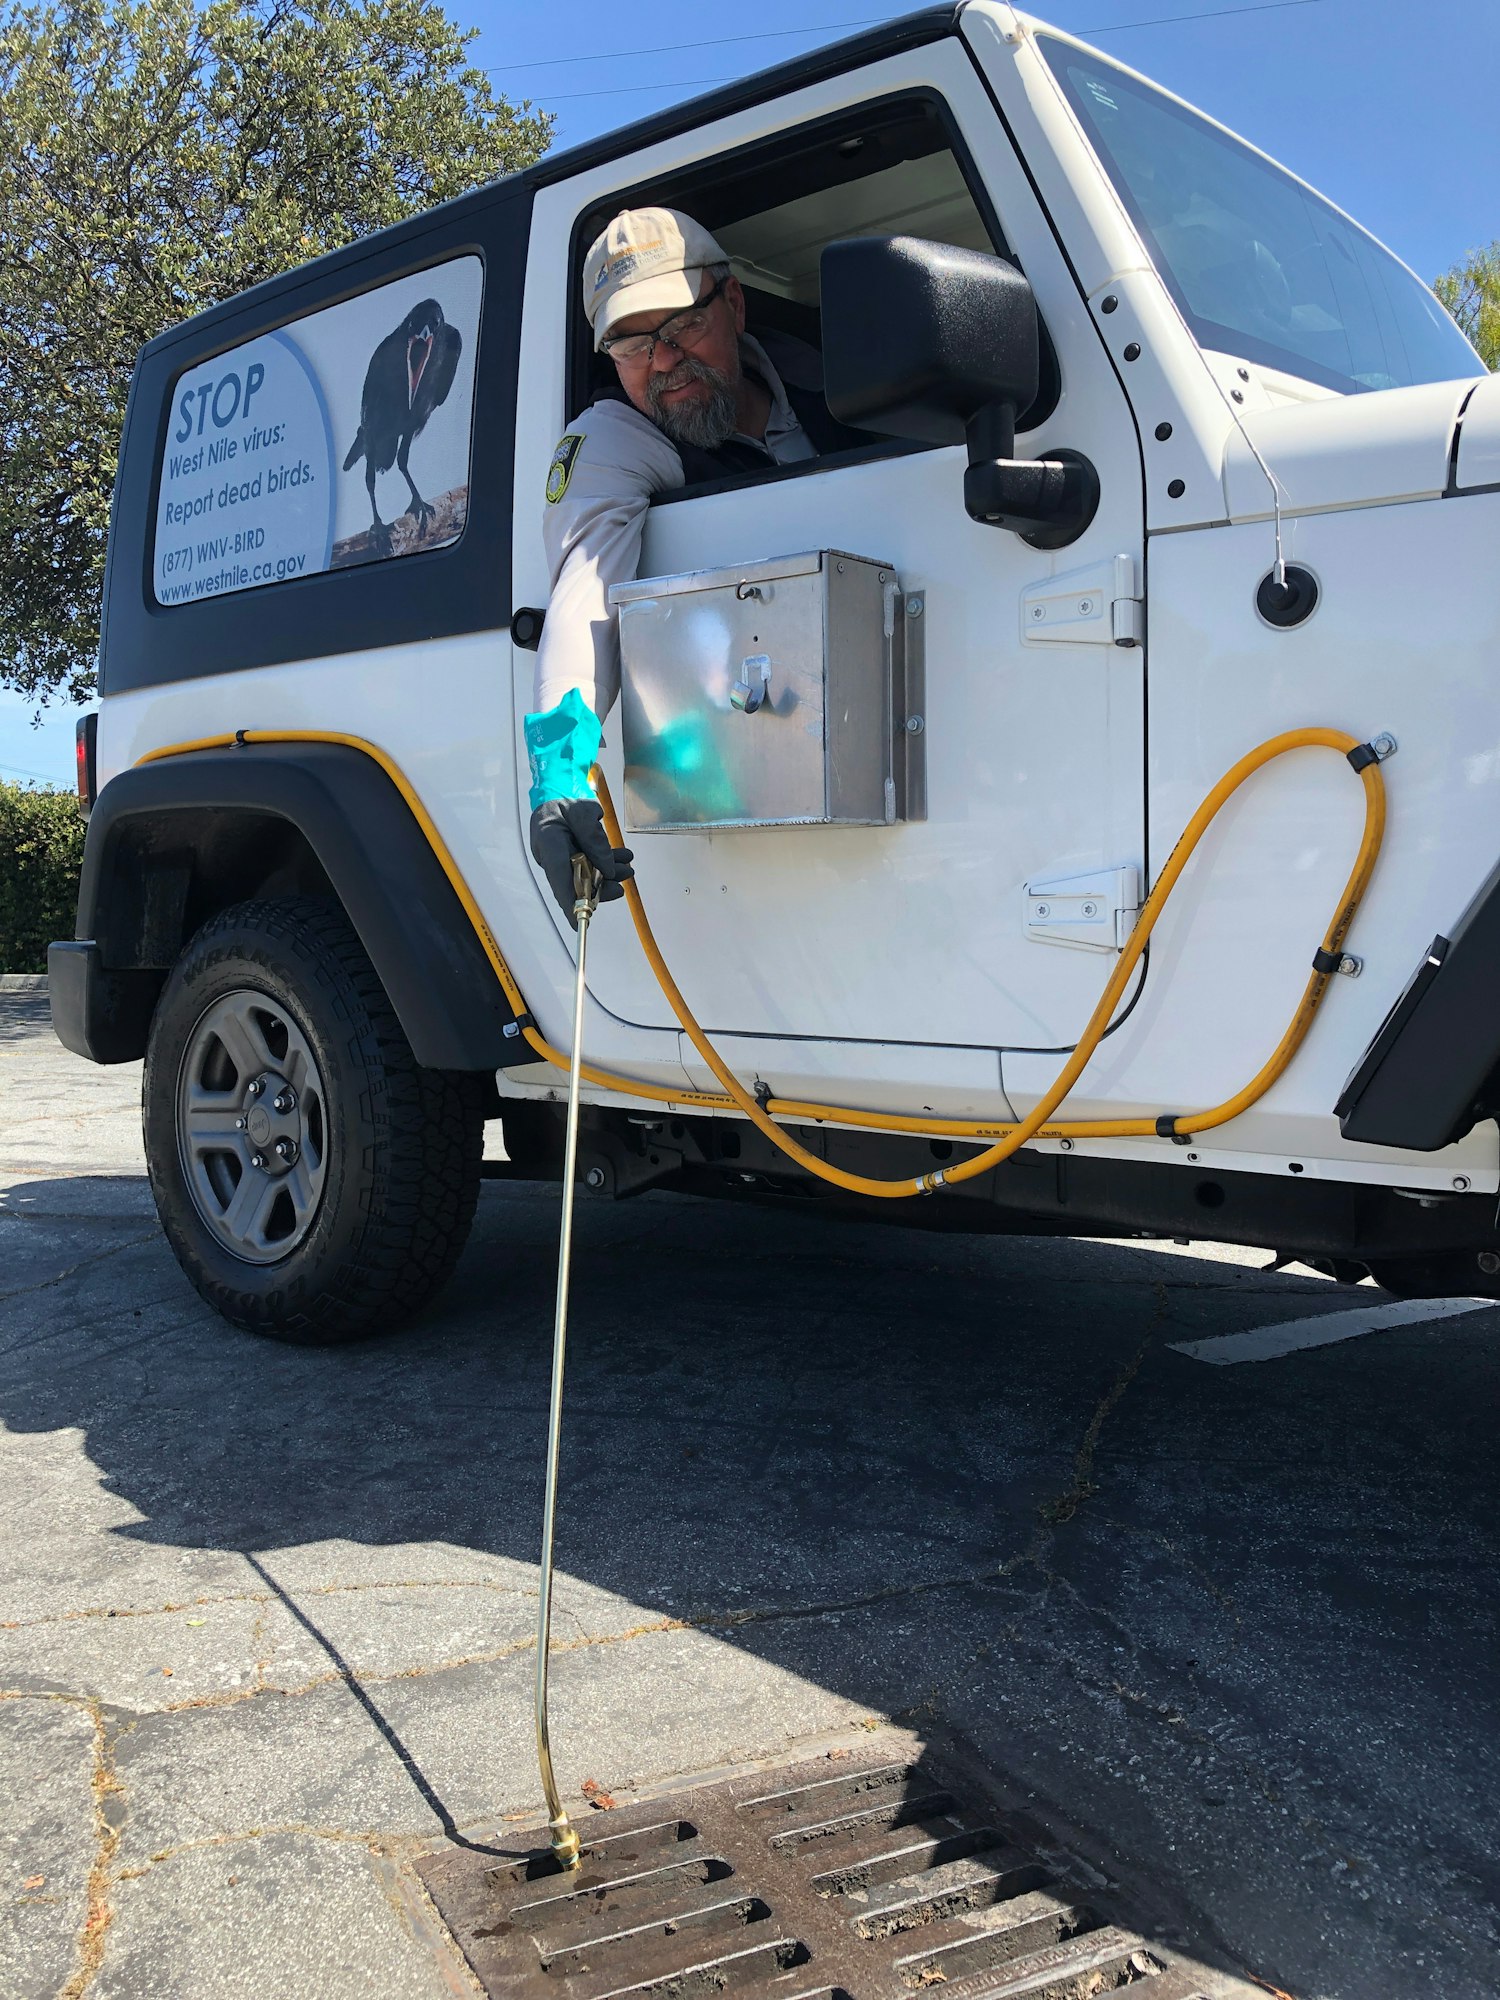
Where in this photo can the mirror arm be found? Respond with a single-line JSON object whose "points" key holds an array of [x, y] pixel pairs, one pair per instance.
{"points": [[1047, 501]]}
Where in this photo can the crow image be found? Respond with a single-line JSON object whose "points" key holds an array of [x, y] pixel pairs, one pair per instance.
{"points": [[409, 375]]}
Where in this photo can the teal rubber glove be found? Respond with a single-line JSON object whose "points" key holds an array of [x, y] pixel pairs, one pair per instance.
{"points": [[566, 818], [561, 745]]}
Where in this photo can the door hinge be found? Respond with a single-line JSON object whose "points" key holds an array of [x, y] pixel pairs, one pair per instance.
{"points": [[1097, 606], [1094, 912]]}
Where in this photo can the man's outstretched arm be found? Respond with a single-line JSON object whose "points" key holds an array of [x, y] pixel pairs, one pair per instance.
{"points": [[599, 485]]}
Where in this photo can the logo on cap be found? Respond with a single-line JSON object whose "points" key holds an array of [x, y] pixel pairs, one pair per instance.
{"points": [[623, 262]]}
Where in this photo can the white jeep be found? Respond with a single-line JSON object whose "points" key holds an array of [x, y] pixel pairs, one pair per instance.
{"points": [[908, 730]]}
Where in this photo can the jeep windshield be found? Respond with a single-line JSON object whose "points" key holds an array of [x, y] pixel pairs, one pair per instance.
{"points": [[1259, 265]]}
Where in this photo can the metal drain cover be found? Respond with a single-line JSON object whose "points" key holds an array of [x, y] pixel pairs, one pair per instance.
{"points": [[843, 1878]]}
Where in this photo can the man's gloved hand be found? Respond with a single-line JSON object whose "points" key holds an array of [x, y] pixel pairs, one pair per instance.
{"points": [[566, 818], [561, 828]]}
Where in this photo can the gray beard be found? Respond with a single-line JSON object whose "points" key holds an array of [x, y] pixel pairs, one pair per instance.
{"points": [[705, 424]]}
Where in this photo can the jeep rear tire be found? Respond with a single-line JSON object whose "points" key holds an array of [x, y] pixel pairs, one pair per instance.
{"points": [[315, 1182]]}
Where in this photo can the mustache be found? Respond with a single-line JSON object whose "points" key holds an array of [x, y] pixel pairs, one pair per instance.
{"points": [[688, 369]]}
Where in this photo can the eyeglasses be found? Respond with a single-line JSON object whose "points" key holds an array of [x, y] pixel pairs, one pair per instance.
{"points": [[684, 329]]}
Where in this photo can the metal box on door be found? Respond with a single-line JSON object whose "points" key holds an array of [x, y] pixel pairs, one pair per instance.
{"points": [[771, 694]]}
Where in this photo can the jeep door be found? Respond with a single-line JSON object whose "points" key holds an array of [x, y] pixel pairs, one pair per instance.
{"points": [[886, 965]]}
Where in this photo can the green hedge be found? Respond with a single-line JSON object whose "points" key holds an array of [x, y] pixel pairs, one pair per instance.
{"points": [[41, 851]]}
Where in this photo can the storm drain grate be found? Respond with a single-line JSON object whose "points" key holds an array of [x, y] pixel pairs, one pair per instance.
{"points": [[841, 1879]]}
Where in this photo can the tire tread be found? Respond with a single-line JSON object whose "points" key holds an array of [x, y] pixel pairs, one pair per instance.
{"points": [[421, 1175]]}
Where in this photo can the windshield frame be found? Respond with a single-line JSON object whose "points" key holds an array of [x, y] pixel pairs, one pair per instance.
{"points": [[1056, 50]]}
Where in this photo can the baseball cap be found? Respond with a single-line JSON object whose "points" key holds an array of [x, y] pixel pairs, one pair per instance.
{"points": [[647, 260]]}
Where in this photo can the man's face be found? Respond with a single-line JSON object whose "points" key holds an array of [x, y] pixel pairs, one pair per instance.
{"points": [[689, 391]]}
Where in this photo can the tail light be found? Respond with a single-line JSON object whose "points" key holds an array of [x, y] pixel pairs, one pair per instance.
{"points": [[88, 762]]}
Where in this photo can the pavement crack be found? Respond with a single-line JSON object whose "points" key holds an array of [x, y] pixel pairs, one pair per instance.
{"points": [[1063, 1506], [131, 1611], [719, 1621], [1165, 1712], [708, 1622], [83, 1264], [109, 1814], [257, 1644], [354, 1679], [1052, 1513], [1226, 1602], [1095, 1613], [212, 1600]]}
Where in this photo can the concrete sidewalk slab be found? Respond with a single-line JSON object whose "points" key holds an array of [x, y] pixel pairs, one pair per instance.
{"points": [[47, 1840], [294, 1915]]}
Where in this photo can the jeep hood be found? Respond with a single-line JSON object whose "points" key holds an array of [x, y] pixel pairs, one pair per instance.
{"points": [[1356, 451]]}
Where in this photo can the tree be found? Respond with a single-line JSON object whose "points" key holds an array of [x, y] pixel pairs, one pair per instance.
{"points": [[1471, 292], [41, 852], [158, 157]]}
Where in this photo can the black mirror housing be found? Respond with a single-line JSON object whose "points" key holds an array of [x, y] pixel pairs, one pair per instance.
{"points": [[928, 341], [918, 336]]}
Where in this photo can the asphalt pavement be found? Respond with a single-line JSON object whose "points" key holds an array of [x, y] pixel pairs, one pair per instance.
{"points": [[266, 1613]]}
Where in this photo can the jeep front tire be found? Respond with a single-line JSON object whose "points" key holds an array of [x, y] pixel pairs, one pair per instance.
{"points": [[314, 1180]]}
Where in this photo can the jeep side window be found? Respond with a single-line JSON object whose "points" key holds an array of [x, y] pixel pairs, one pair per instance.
{"points": [[340, 438], [895, 167]]}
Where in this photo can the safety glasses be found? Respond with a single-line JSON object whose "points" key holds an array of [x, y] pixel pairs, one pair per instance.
{"points": [[684, 329]]}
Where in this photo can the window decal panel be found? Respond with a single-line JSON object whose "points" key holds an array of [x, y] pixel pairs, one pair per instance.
{"points": [[340, 439]]}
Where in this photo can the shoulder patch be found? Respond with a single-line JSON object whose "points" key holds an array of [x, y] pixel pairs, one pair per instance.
{"points": [[560, 471]]}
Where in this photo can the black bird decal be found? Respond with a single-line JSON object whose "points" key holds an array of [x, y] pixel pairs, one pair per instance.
{"points": [[409, 375]]}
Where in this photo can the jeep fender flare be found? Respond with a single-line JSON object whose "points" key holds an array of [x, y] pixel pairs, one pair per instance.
{"points": [[1432, 1070], [162, 835]]}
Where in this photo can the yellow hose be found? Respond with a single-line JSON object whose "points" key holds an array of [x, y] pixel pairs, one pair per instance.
{"points": [[1010, 1138], [1035, 1123]]}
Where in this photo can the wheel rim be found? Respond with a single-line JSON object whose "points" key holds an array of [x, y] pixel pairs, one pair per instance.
{"points": [[252, 1127]]}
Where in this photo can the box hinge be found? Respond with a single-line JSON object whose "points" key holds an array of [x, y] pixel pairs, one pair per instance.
{"points": [[1095, 912]]}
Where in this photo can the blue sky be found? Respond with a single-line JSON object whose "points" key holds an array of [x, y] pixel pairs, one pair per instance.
{"points": [[1385, 106]]}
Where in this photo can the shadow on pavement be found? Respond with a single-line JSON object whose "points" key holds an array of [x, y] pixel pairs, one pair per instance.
{"points": [[1240, 1622]]}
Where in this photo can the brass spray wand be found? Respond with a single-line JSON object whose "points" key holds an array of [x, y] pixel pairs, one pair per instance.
{"points": [[565, 1842]]}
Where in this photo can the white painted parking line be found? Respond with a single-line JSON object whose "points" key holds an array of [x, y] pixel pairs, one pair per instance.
{"points": [[1269, 1343]]}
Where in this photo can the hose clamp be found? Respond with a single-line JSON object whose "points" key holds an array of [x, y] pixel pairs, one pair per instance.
{"points": [[1363, 755]]}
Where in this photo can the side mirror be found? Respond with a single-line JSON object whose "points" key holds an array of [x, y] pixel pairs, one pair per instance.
{"points": [[928, 341]]}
